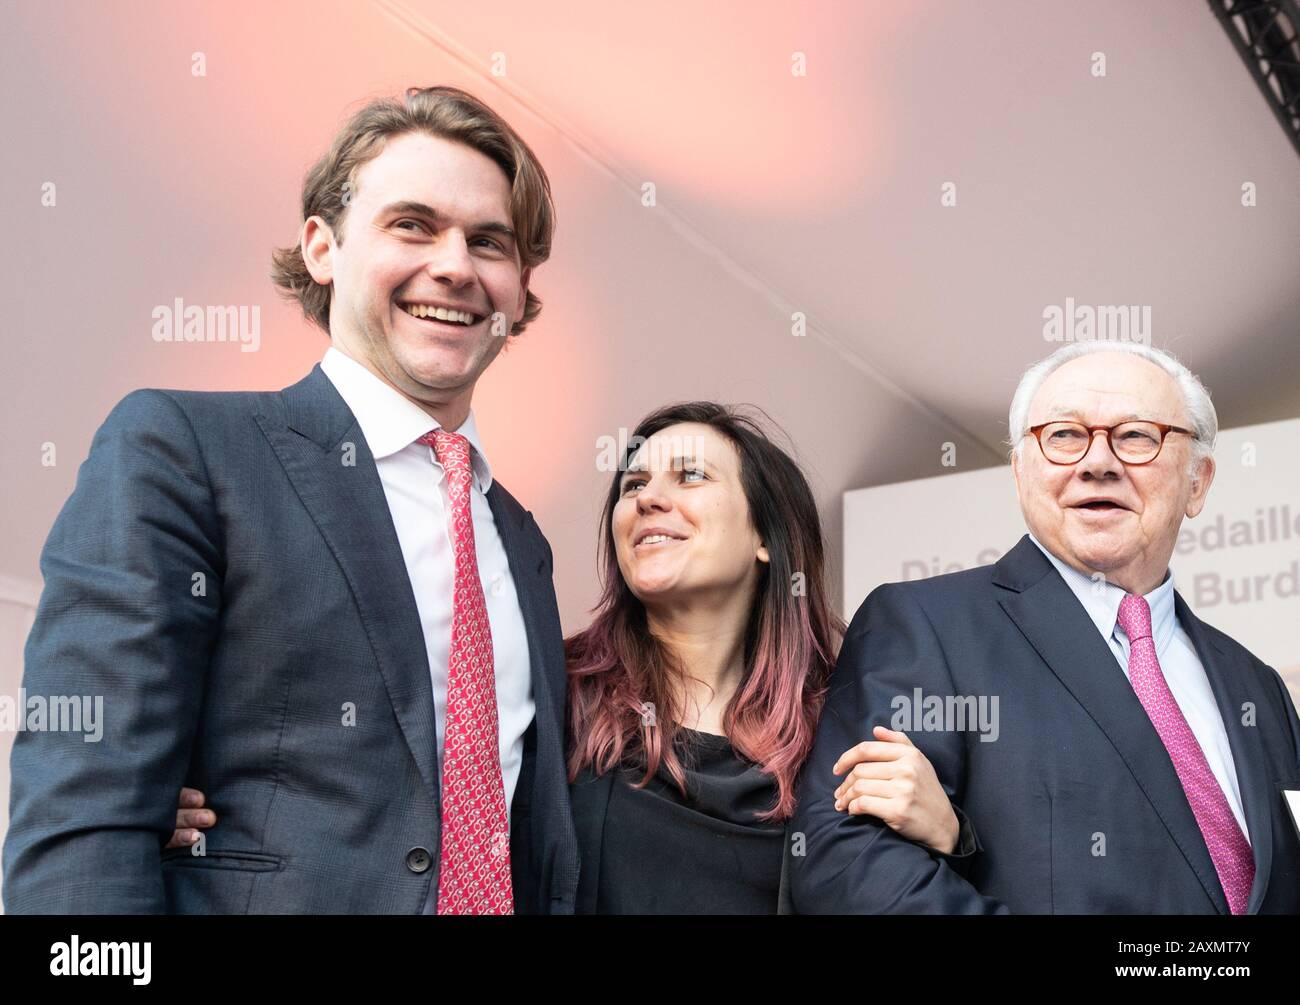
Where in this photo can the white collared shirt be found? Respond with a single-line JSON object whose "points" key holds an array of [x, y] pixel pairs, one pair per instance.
{"points": [[1178, 660], [417, 499]]}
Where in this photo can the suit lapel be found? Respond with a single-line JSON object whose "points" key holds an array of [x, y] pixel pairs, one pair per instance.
{"points": [[315, 442], [1050, 617], [552, 834], [528, 568], [1228, 677]]}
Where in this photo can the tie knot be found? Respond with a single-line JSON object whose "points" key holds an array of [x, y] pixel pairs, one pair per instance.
{"points": [[451, 449], [1135, 617]]}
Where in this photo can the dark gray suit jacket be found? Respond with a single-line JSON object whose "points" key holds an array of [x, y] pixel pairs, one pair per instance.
{"points": [[1076, 770], [239, 687]]}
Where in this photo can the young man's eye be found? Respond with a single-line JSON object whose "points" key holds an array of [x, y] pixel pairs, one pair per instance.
{"points": [[414, 223]]}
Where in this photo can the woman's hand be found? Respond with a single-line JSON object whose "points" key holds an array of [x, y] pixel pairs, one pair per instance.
{"points": [[190, 814], [890, 779]]}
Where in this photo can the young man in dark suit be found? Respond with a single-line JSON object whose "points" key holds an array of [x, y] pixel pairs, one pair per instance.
{"points": [[318, 603]]}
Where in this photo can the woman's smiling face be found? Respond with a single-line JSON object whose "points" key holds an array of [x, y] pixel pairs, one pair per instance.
{"points": [[681, 525]]}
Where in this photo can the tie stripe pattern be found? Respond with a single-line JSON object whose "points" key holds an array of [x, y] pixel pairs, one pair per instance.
{"points": [[474, 861], [1229, 850]]}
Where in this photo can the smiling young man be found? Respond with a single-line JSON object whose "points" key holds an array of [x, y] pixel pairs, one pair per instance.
{"points": [[424, 292], [318, 604], [1140, 753]]}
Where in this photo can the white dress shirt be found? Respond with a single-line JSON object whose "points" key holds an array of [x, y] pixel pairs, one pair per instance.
{"points": [[1178, 660], [416, 491]]}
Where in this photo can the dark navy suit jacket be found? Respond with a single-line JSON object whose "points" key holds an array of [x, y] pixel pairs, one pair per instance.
{"points": [[229, 585], [1076, 803]]}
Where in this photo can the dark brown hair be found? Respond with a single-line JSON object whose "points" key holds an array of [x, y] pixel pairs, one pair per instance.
{"points": [[445, 112], [617, 669]]}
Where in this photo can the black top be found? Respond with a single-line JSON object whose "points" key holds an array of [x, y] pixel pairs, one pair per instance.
{"points": [[655, 852]]}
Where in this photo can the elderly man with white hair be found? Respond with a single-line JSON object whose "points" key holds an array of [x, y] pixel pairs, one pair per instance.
{"points": [[1140, 756]]}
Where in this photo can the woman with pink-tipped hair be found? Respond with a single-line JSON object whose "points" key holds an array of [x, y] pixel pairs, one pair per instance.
{"points": [[694, 694]]}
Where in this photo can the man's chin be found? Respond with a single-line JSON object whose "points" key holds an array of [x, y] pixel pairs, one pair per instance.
{"points": [[1103, 552], [446, 361], [438, 369]]}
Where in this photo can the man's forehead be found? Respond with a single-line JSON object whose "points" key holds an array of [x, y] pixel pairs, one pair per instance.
{"points": [[1111, 386], [448, 177]]}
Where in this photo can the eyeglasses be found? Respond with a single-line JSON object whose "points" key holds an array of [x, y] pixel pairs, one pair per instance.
{"points": [[1136, 442]]}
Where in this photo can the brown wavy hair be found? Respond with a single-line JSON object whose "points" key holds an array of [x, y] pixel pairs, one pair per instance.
{"points": [[445, 112], [617, 668]]}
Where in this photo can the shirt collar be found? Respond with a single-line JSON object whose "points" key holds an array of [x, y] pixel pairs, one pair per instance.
{"points": [[389, 420], [1101, 601]]}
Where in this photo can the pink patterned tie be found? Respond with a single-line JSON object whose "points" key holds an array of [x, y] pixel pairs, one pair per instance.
{"points": [[474, 862], [1229, 850]]}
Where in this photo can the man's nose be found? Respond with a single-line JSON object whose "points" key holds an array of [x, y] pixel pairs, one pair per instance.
{"points": [[450, 261], [1100, 460]]}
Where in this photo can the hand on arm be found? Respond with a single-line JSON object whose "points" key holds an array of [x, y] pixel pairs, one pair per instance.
{"points": [[191, 815], [890, 779], [857, 862]]}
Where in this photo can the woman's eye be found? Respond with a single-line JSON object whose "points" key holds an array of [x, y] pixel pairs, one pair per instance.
{"points": [[686, 474]]}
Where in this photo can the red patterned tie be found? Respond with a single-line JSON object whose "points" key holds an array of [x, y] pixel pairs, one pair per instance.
{"points": [[474, 863], [1229, 850]]}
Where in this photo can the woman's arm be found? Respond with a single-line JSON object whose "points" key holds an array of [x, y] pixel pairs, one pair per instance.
{"points": [[888, 778]]}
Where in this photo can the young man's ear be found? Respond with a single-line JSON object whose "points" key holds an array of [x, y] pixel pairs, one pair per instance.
{"points": [[317, 245]]}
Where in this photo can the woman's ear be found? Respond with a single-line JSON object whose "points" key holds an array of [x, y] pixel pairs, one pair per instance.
{"points": [[763, 556]]}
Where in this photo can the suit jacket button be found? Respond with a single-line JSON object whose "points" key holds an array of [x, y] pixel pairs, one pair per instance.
{"points": [[418, 860]]}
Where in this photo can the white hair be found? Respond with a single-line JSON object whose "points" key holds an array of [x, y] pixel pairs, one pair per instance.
{"points": [[1196, 399]]}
